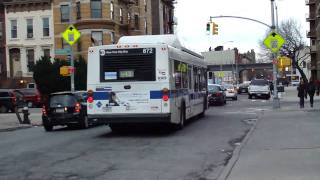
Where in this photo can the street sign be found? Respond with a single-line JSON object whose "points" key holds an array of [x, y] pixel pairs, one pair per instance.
{"points": [[284, 61], [62, 51], [71, 35], [274, 41], [66, 70]]}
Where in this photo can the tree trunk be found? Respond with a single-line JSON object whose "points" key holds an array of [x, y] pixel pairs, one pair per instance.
{"points": [[304, 77]]}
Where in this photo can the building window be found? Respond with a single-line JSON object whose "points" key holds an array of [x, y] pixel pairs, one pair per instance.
{"points": [[45, 27], [97, 37], [79, 46], [304, 64], [145, 5], [96, 9], [136, 2], [65, 45], [121, 16], [146, 26], [30, 59], [46, 52], [78, 9], [112, 38], [136, 22], [1, 29], [29, 28], [129, 18], [65, 13], [14, 28], [111, 11]]}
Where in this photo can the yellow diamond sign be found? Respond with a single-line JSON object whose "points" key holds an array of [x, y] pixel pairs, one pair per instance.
{"points": [[71, 35], [274, 41]]}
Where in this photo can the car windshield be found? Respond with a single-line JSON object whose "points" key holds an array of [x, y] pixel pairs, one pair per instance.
{"points": [[213, 88], [259, 82], [228, 86], [62, 100]]}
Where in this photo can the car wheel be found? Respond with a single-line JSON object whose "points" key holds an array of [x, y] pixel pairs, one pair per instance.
{"points": [[30, 104], [48, 127], [3, 109], [250, 97], [84, 123]]}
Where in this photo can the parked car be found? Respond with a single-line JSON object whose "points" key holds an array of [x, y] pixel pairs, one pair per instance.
{"points": [[31, 97], [243, 87], [10, 99], [216, 94], [231, 91], [65, 108], [259, 88]]}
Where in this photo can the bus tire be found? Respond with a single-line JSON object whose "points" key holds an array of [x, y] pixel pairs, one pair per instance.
{"points": [[205, 107], [182, 117]]}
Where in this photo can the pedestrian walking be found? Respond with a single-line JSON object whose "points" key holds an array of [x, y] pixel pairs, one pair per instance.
{"points": [[318, 87], [271, 87], [302, 92], [311, 90]]}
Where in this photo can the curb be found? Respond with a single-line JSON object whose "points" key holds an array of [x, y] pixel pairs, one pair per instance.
{"points": [[236, 152]]}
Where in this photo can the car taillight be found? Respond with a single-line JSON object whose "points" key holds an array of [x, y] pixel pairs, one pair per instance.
{"points": [[90, 98], [218, 94], [44, 110], [165, 94], [38, 98], [77, 107]]}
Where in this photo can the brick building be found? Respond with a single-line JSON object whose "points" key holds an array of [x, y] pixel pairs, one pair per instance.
{"points": [[103, 22], [314, 35]]}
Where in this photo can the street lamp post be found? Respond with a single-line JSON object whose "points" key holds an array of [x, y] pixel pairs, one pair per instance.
{"points": [[276, 101]]}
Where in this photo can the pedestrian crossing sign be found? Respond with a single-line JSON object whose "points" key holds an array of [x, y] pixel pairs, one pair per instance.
{"points": [[71, 35], [274, 41]]}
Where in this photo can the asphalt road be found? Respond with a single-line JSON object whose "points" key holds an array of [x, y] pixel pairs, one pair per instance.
{"points": [[196, 152]]}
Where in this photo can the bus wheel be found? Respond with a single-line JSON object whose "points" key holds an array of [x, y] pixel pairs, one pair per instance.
{"points": [[182, 118], [205, 106]]}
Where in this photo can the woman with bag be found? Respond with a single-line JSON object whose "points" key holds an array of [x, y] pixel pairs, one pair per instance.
{"points": [[302, 93], [311, 90]]}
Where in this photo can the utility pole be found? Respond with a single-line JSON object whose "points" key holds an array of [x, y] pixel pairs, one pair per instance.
{"points": [[71, 53], [276, 101]]}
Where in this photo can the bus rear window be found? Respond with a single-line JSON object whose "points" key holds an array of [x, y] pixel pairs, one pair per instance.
{"points": [[127, 65]]}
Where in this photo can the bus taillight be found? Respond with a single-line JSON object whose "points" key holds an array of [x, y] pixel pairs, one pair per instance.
{"points": [[165, 92], [90, 96]]}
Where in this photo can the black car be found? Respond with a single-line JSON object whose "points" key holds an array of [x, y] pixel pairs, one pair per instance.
{"points": [[65, 108], [243, 88], [216, 94], [10, 99]]}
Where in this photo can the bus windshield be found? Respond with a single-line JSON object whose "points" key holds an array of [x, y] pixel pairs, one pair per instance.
{"points": [[127, 65]]}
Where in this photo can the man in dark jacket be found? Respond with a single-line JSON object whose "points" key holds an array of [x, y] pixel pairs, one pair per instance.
{"points": [[302, 92], [311, 90]]}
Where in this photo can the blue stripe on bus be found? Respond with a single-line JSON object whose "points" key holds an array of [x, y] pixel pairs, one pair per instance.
{"points": [[100, 95], [154, 94]]}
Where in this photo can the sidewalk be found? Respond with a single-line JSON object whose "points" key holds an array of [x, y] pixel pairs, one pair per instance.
{"points": [[9, 121], [284, 144]]}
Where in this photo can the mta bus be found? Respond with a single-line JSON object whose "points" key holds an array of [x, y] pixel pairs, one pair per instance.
{"points": [[145, 79]]}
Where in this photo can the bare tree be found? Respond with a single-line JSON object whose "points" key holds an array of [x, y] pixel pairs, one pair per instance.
{"points": [[290, 30]]}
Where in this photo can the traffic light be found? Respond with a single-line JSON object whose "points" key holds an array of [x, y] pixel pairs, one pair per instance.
{"points": [[208, 27], [214, 28]]}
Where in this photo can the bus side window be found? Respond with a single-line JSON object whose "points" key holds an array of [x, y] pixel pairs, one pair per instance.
{"points": [[177, 75], [196, 79], [190, 76]]}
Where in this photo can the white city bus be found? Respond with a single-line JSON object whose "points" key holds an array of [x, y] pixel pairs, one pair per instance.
{"points": [[145, 79]]}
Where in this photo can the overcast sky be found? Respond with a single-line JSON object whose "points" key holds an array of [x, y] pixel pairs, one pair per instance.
{"points": [[192, 17]]}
